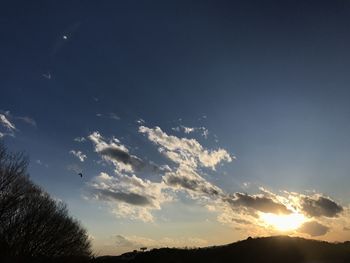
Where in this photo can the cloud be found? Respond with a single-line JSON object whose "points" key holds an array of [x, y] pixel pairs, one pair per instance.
{"points": [[241, 221], [47, 75], [135, 198], [27, 120], [110, 115], [188, 155], [257, 202], [185, 151], [140, 121], [113, 116], [187, 179], [79, 155], [317, 206], [313, 229], [39, 162], [130, 196], [119, 155], [122, 156], [3, 134], [121, 241], [79, 139], [74, 168], [6, 123], [202, 130]]}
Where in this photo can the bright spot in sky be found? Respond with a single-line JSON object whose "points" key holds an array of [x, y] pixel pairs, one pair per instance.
{"points": [[283, 222], [65, 37]]}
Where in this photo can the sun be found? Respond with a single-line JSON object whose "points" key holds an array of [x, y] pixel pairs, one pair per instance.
{"points": [[283, 222]]}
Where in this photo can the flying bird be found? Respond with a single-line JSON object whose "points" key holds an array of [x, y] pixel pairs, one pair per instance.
{"points": [[81, 175]]}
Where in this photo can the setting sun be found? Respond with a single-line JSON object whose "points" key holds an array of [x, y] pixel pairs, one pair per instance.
{"points": [[283, 222]]}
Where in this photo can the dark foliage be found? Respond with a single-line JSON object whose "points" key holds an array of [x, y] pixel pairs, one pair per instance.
{"points": [[34, 227], [259, 250]]}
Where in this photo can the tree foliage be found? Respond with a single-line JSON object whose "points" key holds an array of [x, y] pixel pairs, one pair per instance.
{"points": [[32, 224]]}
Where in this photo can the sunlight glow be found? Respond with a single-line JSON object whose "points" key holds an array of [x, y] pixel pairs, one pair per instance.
{"points": [[283, 222]]}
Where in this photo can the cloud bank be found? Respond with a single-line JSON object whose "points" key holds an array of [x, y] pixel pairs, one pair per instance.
{"points": [[132, 196]]}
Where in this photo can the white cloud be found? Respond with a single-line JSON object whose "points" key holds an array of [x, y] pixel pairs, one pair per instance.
{"points": [[6, 123], [39, 162], [27, 120], [185, 151], [79, 155], [113, 116], [74, 168], [188, 129], [188, 155], [118, 154], [130, 196], [140, 121], [110, 115], [202, 130], [185, 178], [79, 139]]}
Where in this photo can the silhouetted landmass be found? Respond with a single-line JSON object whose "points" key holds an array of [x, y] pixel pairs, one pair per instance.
{"points": [[34, 227], [259, 250]]}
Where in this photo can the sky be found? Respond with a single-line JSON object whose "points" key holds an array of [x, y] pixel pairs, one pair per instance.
{"points": [[194, 123]]}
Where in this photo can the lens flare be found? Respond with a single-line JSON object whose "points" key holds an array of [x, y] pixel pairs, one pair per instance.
{"points": [[283, 222]]}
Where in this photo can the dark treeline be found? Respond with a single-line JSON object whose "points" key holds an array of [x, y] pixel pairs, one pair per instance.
{"points": [[33, 226], [259, 250]]}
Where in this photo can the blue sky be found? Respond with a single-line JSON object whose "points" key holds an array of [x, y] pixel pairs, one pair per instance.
{"points": [[265, 83]]}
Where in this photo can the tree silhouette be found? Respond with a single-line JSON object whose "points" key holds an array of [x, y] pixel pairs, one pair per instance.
{"points": [[33, 225]]}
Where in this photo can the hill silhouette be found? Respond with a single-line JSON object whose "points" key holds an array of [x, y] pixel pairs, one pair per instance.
{"points": [[253, 250]]}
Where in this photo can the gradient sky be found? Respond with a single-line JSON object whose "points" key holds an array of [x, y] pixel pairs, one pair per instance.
{"points": [[117, 90]]}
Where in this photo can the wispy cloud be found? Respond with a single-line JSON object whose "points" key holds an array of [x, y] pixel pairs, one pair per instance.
{"points": [[79, 139], [140, 121], [79, 155], [110, 115], [74, 168], [39, 162], [27, 120], [202, 130], [6, 123]]}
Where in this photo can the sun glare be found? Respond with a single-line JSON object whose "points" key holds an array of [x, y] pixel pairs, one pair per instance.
{"points": [[283, 222]]}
